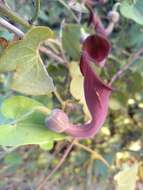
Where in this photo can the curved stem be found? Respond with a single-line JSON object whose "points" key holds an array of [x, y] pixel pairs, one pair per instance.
{"points": [[5, 11], [37, 10], [116, 5]]}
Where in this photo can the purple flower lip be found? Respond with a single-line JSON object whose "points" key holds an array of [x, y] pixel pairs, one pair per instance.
{"points": [[95, 49]]}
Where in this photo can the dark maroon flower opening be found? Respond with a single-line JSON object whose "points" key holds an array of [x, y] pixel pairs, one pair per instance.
{"points": [[96, 49]]}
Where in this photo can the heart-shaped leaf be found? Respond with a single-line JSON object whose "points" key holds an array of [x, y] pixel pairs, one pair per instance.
{"points": [[30, 75]]}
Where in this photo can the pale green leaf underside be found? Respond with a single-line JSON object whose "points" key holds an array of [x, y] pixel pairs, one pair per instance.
{"points": [[30, 76]]}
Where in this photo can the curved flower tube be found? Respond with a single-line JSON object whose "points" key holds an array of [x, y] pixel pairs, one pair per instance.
{"points": [[95, 49]]}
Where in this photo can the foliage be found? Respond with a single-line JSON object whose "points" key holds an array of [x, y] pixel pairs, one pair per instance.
{"points": [[26, 124], [35, 79], [133, 11], [26, 99]]}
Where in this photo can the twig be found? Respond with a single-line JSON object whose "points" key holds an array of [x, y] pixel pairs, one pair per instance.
{"points": [[37, 10], [52, 55], [94, 154], [43, 183], [69, 9], [133, 58], [5, 11], [59, 98], [58, 43], [10, 27]]}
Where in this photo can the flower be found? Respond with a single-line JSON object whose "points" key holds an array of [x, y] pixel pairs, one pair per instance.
{"points": [[95, 51]]}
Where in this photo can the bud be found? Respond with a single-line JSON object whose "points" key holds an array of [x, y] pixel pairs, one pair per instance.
{"points": [[58, 121], [114, 16]]}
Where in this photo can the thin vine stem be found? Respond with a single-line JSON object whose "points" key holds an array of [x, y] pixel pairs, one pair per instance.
{"points": [[5, 11], [69, 9], [52, 55], [37, 10], [59, 98], [94, 154], [133, 58]]}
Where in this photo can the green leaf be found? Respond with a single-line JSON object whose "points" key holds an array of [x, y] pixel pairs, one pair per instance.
{"points": [[27, 126], [133, 11], [30, 76], [47, 146], [17, 106], [26, 133], [71, 40]]}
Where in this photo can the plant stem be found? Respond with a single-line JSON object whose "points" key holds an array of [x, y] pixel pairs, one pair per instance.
{"points": [[59, 98], [37, 10], [5, 11], [69, 9], [133, 58], [43, 183], [10, 27], [94, 154], [52, 55]]}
